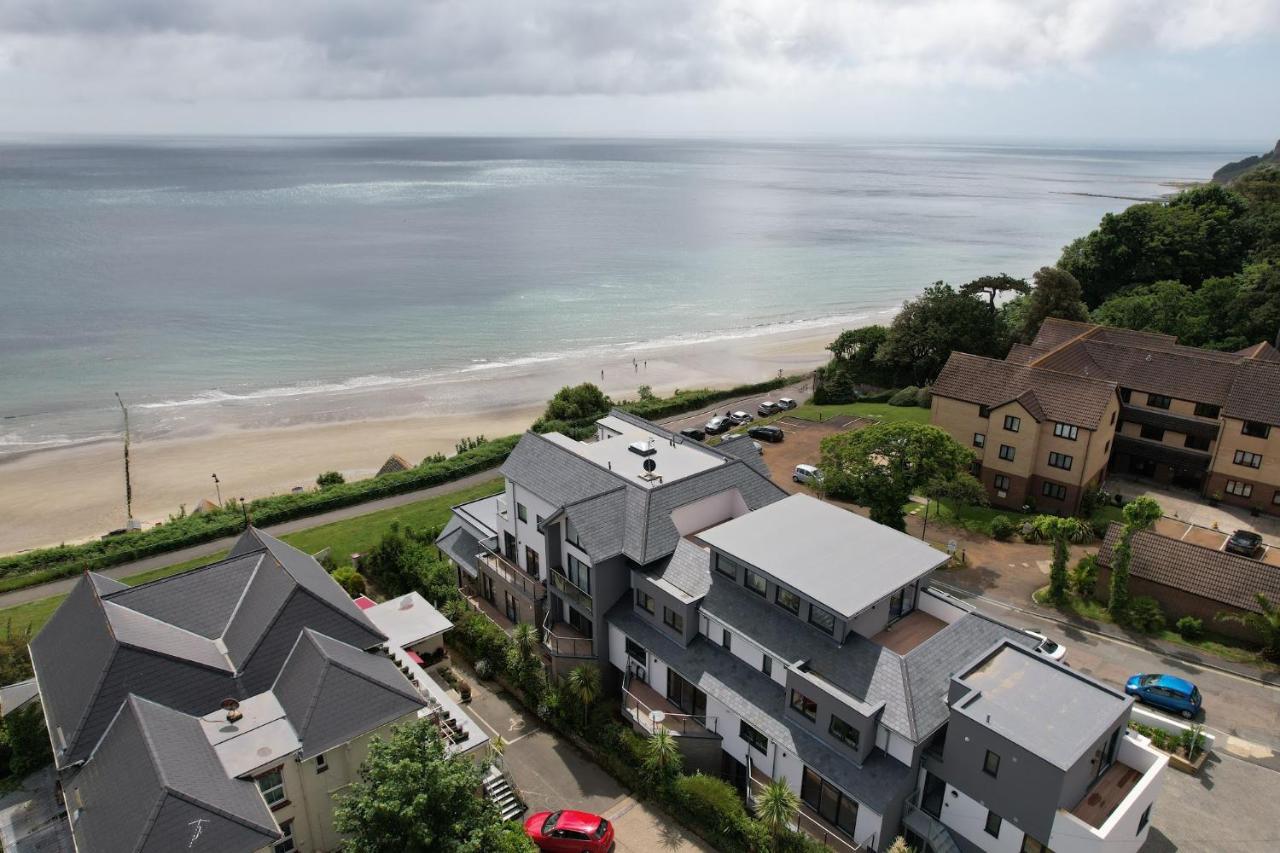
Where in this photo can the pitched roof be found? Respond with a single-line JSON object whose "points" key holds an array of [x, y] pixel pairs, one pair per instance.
{"points": [[177, 796], [1046, 394], [1262, 350], [687, 571], [1255, 394], [395, 464], [333, 692], [1216, 575]]}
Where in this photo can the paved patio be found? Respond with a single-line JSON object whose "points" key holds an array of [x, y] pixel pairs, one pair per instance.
{"points": [[1190, 507]]}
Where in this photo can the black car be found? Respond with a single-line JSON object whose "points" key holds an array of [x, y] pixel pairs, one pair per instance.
{"points": [[765, 433], [1244, 542], [693, 433]]}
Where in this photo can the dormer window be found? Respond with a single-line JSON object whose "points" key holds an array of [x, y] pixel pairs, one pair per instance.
{"points": [[787, 600]]}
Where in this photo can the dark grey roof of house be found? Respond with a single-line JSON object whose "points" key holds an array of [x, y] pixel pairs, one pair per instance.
{"points": [[201, 600], [105, 585], [146, 632], [553, 473], [154, 782], [745, 449], [459, 545], [688, 569], [760, 701], [600, 523], [1255, 394], [333, 692]]}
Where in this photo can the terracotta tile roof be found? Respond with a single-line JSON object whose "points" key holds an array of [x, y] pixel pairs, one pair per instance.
{"points": [[1185, 373], [1216, 575], [1255, 394], [1262, 351], [1046, 394]]}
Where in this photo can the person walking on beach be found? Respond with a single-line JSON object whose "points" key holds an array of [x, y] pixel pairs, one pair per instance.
{"points": [[602, 376]]}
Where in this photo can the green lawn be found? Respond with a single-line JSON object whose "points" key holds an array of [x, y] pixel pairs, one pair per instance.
{"points": [[879, 411], [344, 538]]}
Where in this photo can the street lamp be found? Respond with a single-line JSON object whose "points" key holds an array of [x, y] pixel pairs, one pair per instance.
{"points": [[217, 484]]}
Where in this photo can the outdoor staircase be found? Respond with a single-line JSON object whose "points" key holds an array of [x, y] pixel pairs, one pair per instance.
{"points": [[498, 789], [933, 831]]}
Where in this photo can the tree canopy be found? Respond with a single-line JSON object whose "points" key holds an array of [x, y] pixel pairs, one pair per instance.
{"points": [[991, 286], [931, 326], [584, 402], [1056, 294]]}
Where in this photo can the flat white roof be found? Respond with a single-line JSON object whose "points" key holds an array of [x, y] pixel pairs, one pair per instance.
{"points": [[263, 734], [672, 461], [840, 560], [408, 619]]}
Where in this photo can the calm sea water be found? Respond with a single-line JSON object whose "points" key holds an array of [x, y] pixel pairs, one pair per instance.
{"points": [[190, 275]]}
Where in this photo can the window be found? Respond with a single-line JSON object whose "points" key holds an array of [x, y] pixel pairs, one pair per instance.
{"points": [[802, 703], [271, 784], [1106, 448], [1030, 845], [571, 536], [979, 440], [726, 567], [578, 572], [1012, 423], [1002, 483], [538, 520], [1142, 821], [991, 764], [766, 664], [843, 732], [1275, 499], [521, 512], [1249, 460], [1066, 431], [993, 824], [756, 583], [636, 652], [644, 601], [1239, 489], [285, 844], [1113, 418], [1152, 432], [787, 600], [829, 802], [1060, 460], [322, 763], [1204, 410], [1255, 429], [984, 411], [1053, 490], [754, 739], [1196, 442], [1006, 452], [673, 620], [726, 639], [1158, 401], [822, 619]]}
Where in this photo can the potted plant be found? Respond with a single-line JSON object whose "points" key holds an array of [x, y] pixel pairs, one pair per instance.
{"points": [[464, 690], [1215, 498]]}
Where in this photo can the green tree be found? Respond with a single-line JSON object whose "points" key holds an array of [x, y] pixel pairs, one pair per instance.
{"points": [[584, 402], [662, 757], [930, 327], [24, 736], [1085, 576], [583, 683], [350, 580], [777, 806], [1061, 531], [397, 563], [1139, 514], [1265, 624], [1056, 294], [882, 465], [522, 655], [992, 286], [854, 358], [330, 478], [959, 491], [413, 798]]}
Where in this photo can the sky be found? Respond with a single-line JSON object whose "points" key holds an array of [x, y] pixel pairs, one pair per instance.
{"points": [[1153, 70]]}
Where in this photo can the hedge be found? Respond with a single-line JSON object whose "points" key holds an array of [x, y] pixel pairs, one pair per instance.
{"points": [[687, 401]]}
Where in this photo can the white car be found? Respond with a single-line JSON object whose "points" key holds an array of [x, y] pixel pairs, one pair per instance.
{"points": [[786, 403], [741, 417], [807, 474], [1047, 647]]}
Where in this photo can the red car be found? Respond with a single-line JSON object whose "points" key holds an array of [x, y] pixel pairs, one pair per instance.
{"points": [[570, 832]]}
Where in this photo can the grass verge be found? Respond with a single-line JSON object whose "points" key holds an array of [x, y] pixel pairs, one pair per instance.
{"points": [[879, 411]]}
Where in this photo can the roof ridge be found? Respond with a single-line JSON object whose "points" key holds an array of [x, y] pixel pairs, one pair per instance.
{"points": [[273, 831], [904, 670], [1087, 333], [191, 571], [170, 626], [102, 676], [243, 594]]}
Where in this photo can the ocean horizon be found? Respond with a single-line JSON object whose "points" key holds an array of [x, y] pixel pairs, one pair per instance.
{"points": [[263, 281]]}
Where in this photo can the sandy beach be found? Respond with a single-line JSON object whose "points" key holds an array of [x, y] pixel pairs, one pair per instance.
{"points": [[76, 493]]}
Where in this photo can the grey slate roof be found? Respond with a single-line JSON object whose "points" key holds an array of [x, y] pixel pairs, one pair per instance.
{"points": [[1047, 394], [333, 692], [459, 545], [759, 700], [217, 587], [688, 569], [154, 783], [745, 449]]}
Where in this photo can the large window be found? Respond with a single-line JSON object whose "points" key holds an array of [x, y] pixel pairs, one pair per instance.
{"points": [[1158, 401], [1011, 423], [644, 601], [822, 619], [754, 739], [1239, 489], [843, 732], [1007, 452], [1197, 442], [285, 844], [993, 824], [787, 600], [1053, 490], [271, 784], [1247, 459], [829, 802], [766, 662], [726, 567], [673, 620], [1256, 429], [521, 512], [756, 583], [991, 764], [1002, 483], [802, 703], [637, 652], [979, 440], [579, 573], [1066, 431], [1061, 460]]}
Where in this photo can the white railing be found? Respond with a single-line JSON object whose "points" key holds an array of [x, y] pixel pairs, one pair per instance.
{"points": [[651, 719]]}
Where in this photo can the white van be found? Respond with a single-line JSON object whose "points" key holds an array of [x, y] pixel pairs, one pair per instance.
{"points": [[807, 474]]}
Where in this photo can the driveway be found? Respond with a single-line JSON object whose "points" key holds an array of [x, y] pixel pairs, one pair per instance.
{"points": [[1190, 507], [1241, 815]]}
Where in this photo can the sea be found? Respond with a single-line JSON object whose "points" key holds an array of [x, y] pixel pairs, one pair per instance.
{"points": [[268, 280]]}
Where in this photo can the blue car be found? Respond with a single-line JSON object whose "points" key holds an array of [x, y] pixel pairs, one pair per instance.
{"points": [[1167, 692]]}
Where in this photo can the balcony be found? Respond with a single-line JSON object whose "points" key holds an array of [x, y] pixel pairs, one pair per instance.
{"points": [[929, 828], [525, 584], [1170, 421], [1111, 810], [564, 641], [807, 820], [570, 590], [652, 711], [1178, 457]]}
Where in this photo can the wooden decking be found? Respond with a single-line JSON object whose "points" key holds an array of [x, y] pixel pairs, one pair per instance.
{"points": [[1106, 793], [909, 631], [640, 701]]}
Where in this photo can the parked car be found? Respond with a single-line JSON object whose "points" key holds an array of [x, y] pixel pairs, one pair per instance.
{"points": [[807, 474], [1167, 692], [693, 433], [766, 433], [740, 417], [786, 404], [716, 425], [768, 407], [569, 832], [1244, 542], [1047, 647]]}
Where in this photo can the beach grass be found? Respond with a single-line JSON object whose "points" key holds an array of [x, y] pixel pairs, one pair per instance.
{"points": [[343, 538]]}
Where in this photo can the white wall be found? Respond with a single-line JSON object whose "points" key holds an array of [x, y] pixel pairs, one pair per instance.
{"points": [[937, 605], [965, 816], [1119, 834], [526, 532], [741, 647], [618, 649], [708, 512], [870, 822], [897, 746]]}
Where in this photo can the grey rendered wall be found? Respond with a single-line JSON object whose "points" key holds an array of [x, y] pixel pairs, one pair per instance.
{"points": [[771, 595], [663, 599], [610, 581], [1083, 772], [829, 704]]}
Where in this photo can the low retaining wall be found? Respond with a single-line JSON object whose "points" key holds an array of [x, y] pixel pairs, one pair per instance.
{"points": [[1167, 724]]}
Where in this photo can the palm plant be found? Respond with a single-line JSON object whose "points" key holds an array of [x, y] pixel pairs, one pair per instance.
{"points": [[583, 682], [524, 639], [1061, 532], [1266, 624], [777, 806], [662, 758]]}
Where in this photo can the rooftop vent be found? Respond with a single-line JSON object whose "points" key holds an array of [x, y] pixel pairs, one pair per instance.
{"points": [[643, 448], [406, 603]]}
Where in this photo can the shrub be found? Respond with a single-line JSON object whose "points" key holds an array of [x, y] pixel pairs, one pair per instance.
{"points": [[715, 806], [1085, 576], [906, 397], [1002, 528], [350, 580], [484, 669], [1145, 615], [1090, 499], [1190, 628], [879, 396], [330, 478], [924, 397]]}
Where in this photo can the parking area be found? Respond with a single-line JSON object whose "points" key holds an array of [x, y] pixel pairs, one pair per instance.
{"points": [[801, 445], [1195, 510]]}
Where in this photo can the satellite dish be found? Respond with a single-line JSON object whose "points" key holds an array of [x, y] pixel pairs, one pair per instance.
{"points": [[650, 465], [230, 704]]}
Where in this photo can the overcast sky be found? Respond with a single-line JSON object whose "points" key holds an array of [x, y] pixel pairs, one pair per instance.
{"points": [[1174, 70]]}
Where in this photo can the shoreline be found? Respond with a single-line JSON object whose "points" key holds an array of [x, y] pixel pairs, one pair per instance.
{"points": [[74, 493]]}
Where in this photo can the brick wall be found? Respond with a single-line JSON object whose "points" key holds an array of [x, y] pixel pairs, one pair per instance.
{"points": [[1177, 603]]}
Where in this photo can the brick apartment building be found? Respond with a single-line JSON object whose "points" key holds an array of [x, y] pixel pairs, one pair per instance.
{"points": [[1053, 417]]}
